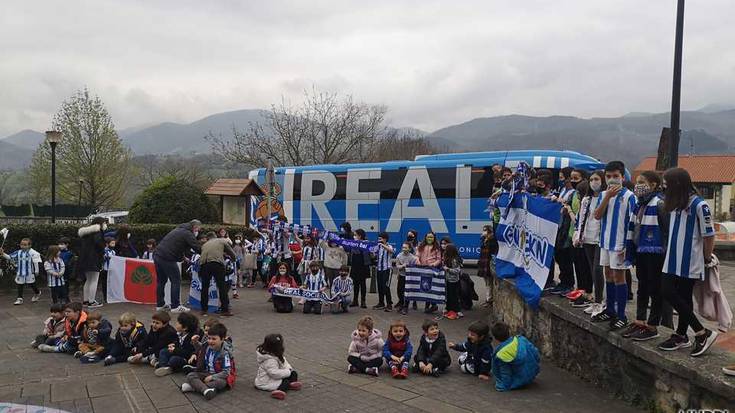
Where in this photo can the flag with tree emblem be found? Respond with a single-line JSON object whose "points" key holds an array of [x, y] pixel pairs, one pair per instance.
{"points": [[132, 280]]}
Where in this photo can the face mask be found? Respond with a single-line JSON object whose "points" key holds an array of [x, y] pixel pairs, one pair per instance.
{"points": [[574, 184], [62, 247], [641, 190], [596, 186], [282, 272], [196, 234], [411, 237], [315, 271], [237, 241], [614, 182], [430, 241], [405, 251]]}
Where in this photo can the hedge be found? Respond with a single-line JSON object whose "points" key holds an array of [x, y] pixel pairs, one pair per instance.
{"points": [[43, 235]]}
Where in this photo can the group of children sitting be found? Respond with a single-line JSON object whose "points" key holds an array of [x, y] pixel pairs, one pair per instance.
{"points": [[514, 363]]}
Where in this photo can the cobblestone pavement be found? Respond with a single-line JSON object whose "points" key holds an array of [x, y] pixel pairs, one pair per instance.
{"points": [[315, 345]]}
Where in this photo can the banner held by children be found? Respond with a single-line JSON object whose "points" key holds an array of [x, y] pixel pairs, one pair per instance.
{"points": [[309, 295], [131, 280], [425, 284], [526, 236]]}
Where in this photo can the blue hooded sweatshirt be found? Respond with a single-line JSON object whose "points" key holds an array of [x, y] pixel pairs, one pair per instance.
{"points": [[515, 363]]}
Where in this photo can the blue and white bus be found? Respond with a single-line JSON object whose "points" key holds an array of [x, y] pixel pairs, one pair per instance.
{"points": [[444, 193]]}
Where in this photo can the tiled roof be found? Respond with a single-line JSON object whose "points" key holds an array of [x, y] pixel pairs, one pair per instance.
{"points": [[702, 168], [234, 187]]}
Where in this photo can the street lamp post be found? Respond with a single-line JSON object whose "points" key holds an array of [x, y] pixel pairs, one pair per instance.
{"points": [[676, 89], [53, 138], [79, 201]]}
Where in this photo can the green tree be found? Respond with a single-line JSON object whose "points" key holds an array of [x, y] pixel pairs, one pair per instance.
{"points": [[169, 201], [90, 151]]}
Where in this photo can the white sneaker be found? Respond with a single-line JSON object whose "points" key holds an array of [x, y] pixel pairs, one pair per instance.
{"points": [[591, 309], [600, 308], [186, 388], [180, 309], [18, 301], [153, 361], [36, 297], [94, 304]]}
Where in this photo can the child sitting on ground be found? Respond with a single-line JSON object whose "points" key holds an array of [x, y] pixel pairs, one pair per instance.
{"points": [[515, 361], [215, 369], [75, 320], [314, 281], [432, 357], [477, 351], [178, 354], [130, 334], [53, 329], [342, 291], [95, 338], [364, 354], [158, 338], [397, 350], [281, 281], [275, 374]]}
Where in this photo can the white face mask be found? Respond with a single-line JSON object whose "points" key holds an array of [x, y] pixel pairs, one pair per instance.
{"points": [[282, 272], [596, 185], [614, 182], [237, 241], [196, 234]]}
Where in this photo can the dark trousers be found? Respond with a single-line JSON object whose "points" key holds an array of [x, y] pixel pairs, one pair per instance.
{"points": [[282, 304], [401, 290], [21, 286], [119, 352], [566, 267], [359, 286], [330, 274], [214, 270], [167, 271], [59, 294], [598, 276], [453, 297], [314, 307], [648, 270], [384, 288], [360, 365], [166, 359], [582, 269], [552, 272], [677, 291], [103, 284], [440, 364], [286, 383]]}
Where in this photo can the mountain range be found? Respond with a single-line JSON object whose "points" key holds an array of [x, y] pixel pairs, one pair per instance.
{"points": [[629, 138]]}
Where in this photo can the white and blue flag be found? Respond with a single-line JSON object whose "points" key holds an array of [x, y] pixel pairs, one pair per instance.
{"points": [[526, 235], [425, 284]]}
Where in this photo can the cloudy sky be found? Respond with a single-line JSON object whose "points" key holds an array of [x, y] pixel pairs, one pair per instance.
{"points": [[433, 63]]}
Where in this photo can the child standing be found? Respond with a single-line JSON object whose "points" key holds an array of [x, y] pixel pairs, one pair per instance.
{"points": [[177, 355], [150, 249], [342, 291], [279, 282], [54, 267], [385, 252], [275, 374], [477, 351], [334, 258], [365, 352], [53, 330], [515, 360], [432, 357], [215, 369], [587, 235], [404, 260], [614, 213], [95, 338], [452, 271], [129, 336], [646, 250], [360, 262], [486, 264], [68, 257], [315, 281], [397, 350], [27, 261], [160, 335], [690, 244], [109, 253]]}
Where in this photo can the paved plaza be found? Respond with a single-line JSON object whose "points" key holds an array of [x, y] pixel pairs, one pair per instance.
{"points": [[315, 345]]}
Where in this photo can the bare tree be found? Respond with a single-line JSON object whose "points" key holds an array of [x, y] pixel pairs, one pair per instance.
{"points": [[324, 128], [150, 168], [399, 144]]}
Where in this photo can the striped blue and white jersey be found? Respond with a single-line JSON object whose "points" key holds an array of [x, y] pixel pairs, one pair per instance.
{"points": [[384, 257], [616, 219], [342, 286], [148, 255], [687, 230], [315, 282], [55, 267], [312, 253], [109, 253], [27, 265]]}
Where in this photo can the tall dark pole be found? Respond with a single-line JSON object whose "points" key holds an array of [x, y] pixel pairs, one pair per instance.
{"points": [[53, 182], [676, 90]]}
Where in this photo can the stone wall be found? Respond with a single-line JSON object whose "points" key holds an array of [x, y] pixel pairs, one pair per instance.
{"points": [[636, 372]]}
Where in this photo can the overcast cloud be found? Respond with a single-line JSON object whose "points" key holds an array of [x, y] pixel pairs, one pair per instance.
{"points": [[433, 63]]}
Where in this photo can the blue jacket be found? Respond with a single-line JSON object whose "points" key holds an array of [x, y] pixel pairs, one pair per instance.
{"points": [[515, 363], [480, 354]]}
